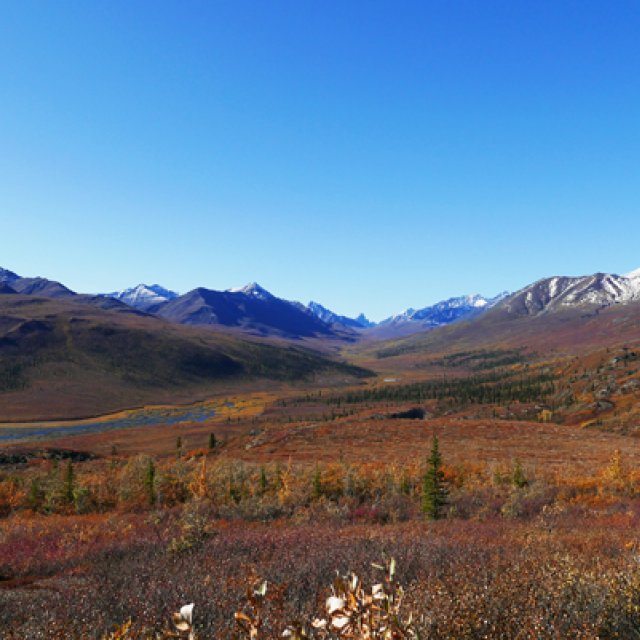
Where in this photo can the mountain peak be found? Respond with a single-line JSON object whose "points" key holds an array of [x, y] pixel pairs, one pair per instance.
{"points": [[445, 311], [252, 289], [633, 274], [364, 321], [328, 316], [156, 289], [143, 296], [8, 276]]}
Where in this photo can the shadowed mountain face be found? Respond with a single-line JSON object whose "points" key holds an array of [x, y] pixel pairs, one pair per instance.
{"points": [[41, 287], [252, 309], [34, 286], [8, 276], [70, 358]]}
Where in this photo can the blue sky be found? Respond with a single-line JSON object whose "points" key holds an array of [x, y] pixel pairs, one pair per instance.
{"points": [[369, 155]]}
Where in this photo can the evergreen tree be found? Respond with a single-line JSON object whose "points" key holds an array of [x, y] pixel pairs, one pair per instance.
{"points": [[36, 494], [264, 483], [212, 441], [69, 481], [434, 491], [149, 482], [519, 478]]}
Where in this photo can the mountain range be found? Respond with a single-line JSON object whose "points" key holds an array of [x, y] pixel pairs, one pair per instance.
{"points": [[254, 310], [67, 354], [568, 314], [437, 315], [82, 355]]}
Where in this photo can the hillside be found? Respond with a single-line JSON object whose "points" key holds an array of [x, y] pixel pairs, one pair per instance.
{"points": [[71, 358], [589, 353], [569, 330]]}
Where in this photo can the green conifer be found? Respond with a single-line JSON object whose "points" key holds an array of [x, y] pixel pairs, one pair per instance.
{"points": [[69, 482], [434, 491], [149, 482]]}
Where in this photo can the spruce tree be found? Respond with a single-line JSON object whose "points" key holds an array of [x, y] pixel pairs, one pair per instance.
{"points": [[36, 494], [264, 482], [68, 489], [149, 482], [519, 478], [212, 441], [434, 491]]}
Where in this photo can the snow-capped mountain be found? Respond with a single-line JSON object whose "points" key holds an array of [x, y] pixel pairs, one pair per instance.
{"points": [[254, 309], [254, 290], [632, 275], [446, 311], [330, 317], [562, 292], [143, 296]]}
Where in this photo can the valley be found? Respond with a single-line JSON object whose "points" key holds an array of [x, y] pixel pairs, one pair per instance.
{"points": [[319, 320], [137, 450]]}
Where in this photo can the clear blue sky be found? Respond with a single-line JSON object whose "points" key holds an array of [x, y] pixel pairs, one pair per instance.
{"points": [[369, 155]]}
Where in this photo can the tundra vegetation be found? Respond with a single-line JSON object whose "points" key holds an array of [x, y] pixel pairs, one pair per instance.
{"points": [[508, 551], [502, 521]]}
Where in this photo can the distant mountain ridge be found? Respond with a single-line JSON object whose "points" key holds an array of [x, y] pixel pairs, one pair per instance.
{"points": [[34, 286], [440, 314], [255, 310], [446, 311], [328, 316]]}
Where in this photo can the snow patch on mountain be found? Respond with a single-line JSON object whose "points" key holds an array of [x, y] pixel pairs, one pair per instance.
{"points": [[446, 311], [143, 296], [632, 275], [254, 290], [599, 289]]}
